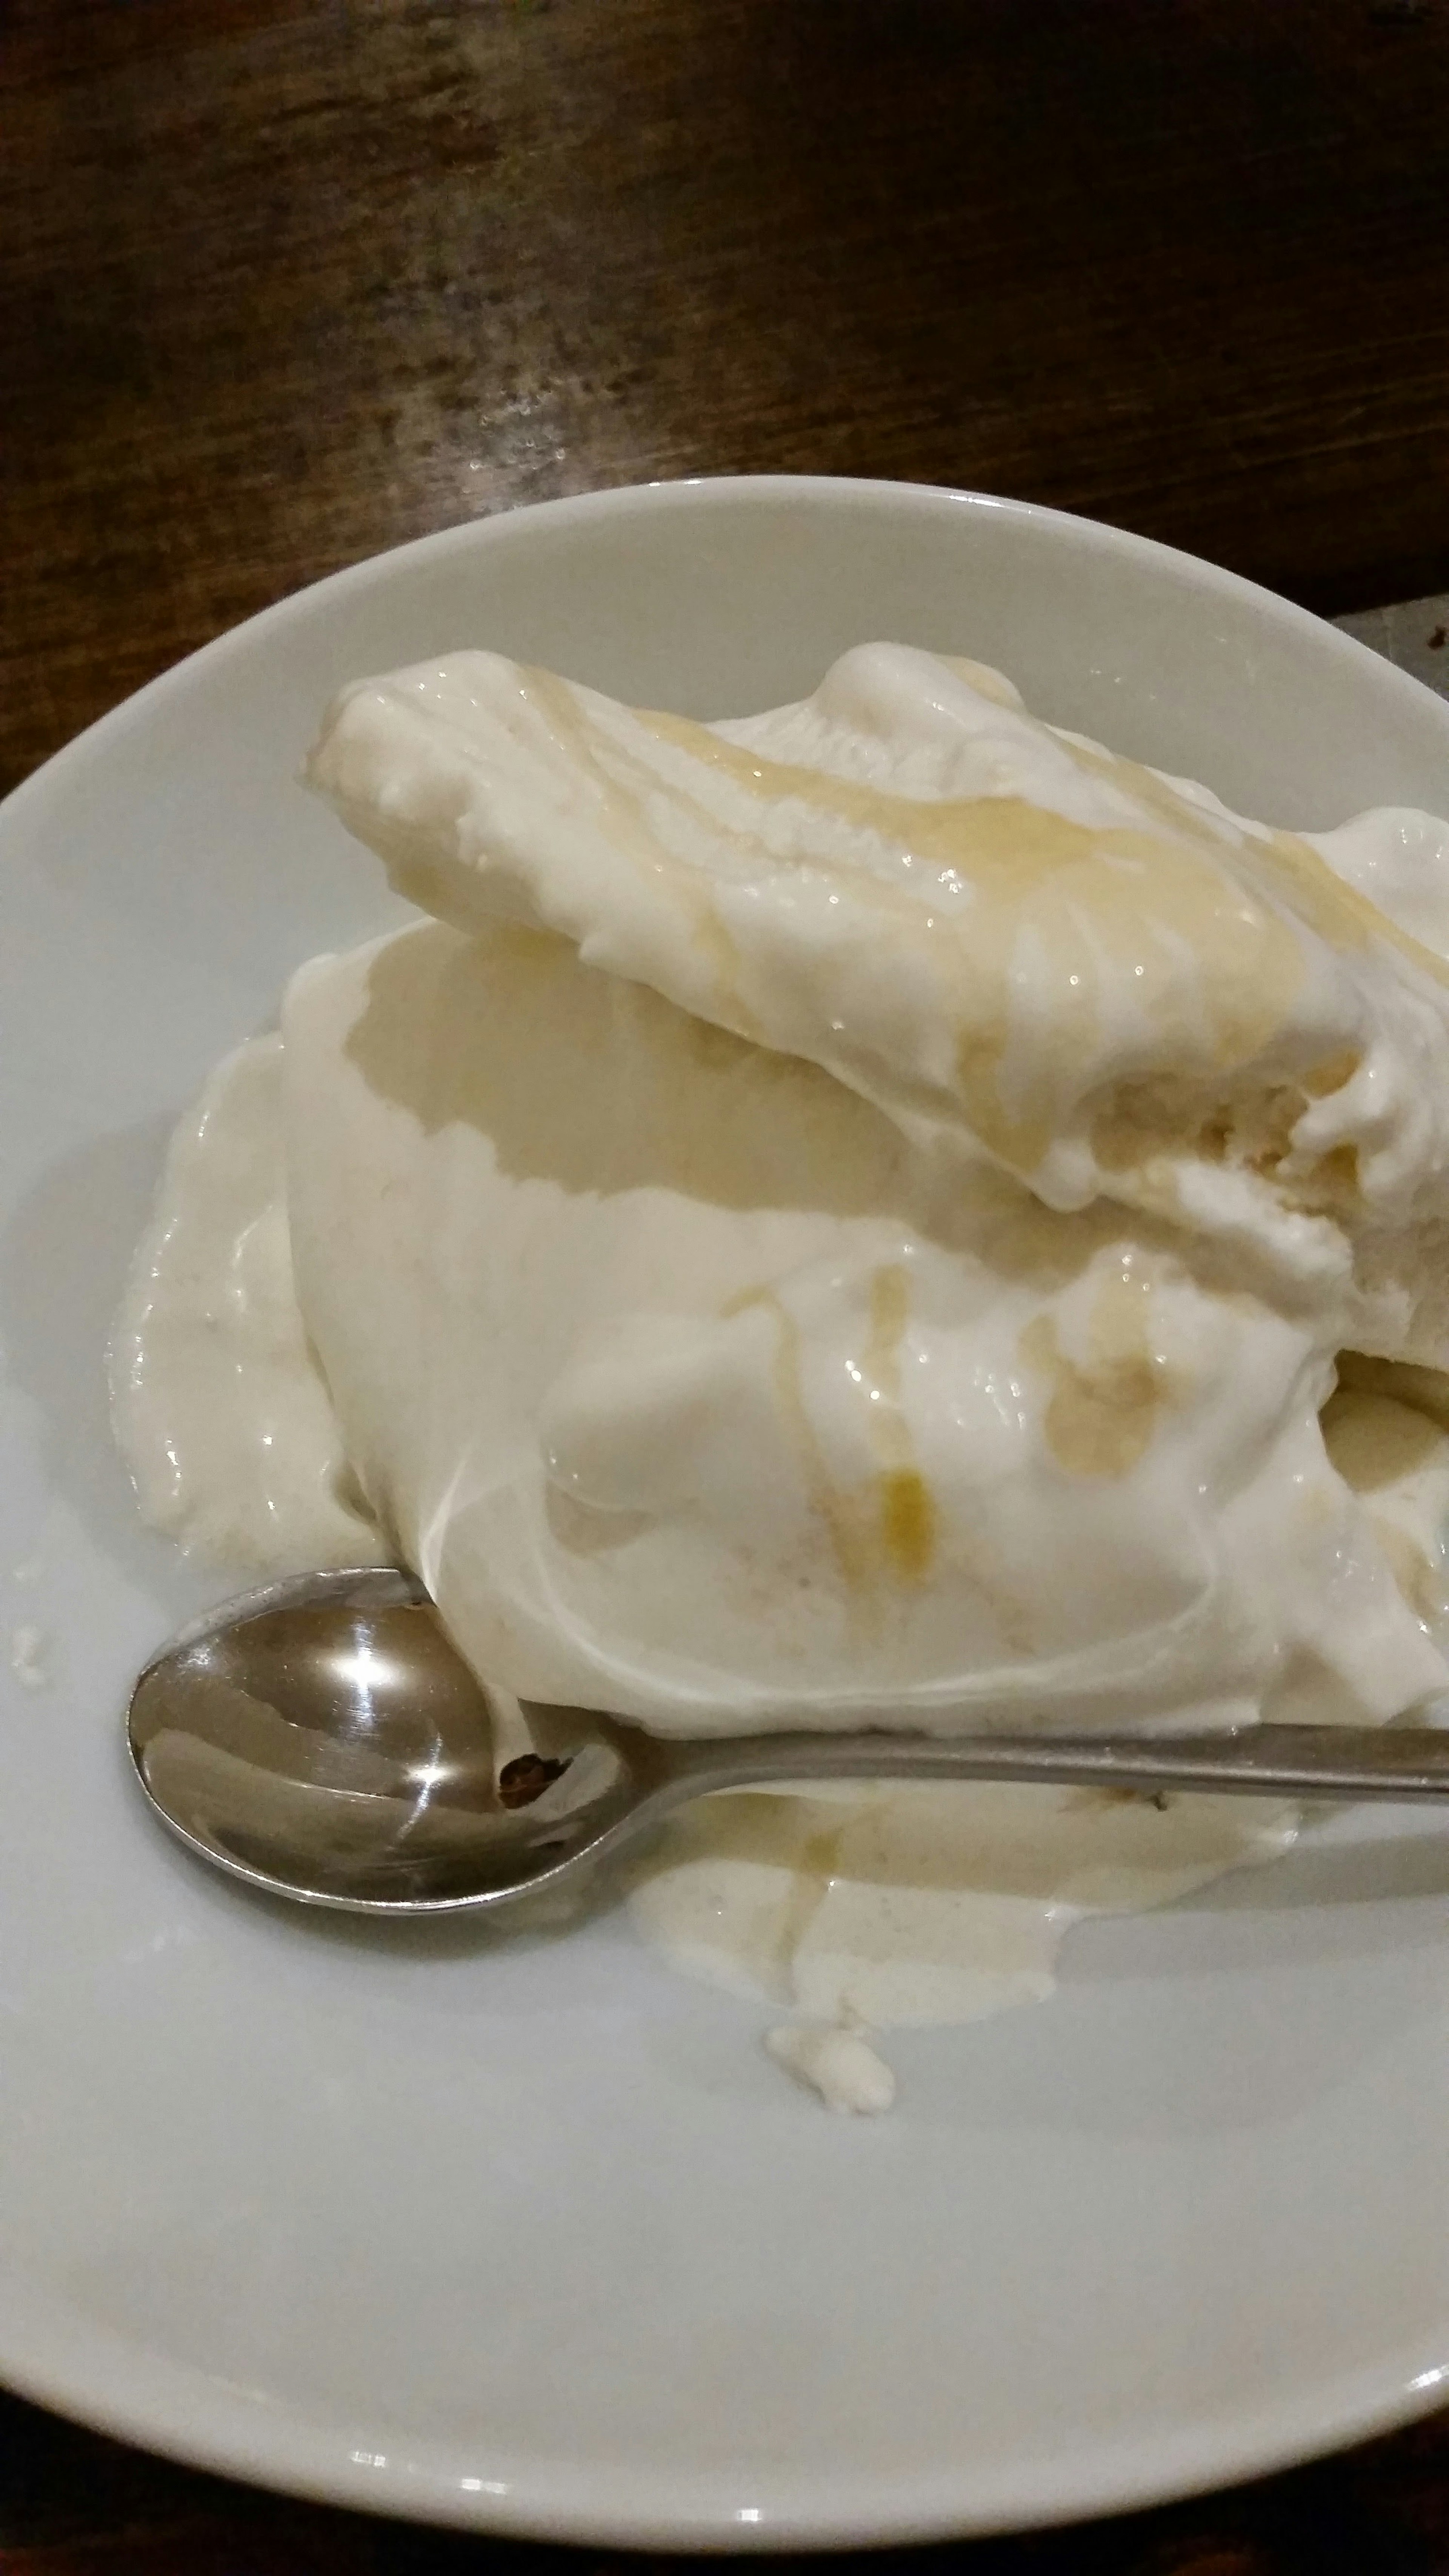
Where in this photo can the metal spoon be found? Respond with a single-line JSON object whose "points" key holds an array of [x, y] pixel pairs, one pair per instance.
{"points": [[323, 1740]]}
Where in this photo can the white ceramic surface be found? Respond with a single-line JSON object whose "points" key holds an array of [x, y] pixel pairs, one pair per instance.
{"points": [[534, 2236]]}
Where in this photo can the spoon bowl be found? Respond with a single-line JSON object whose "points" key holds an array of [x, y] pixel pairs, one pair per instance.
{"points": [[323, 1740]]}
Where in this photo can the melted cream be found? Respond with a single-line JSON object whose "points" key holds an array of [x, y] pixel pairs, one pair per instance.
{"points": [[865, 1911], [216, 1395]]}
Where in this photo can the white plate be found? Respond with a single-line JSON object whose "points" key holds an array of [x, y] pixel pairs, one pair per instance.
{"points": [[532, 2235]]}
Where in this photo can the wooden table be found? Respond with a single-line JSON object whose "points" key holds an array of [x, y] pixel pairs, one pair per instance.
{"points": [[287, 281]]}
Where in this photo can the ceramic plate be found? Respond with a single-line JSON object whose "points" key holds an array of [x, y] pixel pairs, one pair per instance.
{"points": [[530, 2234]]}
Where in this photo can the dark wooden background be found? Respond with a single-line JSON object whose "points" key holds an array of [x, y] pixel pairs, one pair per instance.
{"points": [[286, 281]]}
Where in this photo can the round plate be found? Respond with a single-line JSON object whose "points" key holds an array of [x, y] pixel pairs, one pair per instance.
{"points": [[529, 2233]]}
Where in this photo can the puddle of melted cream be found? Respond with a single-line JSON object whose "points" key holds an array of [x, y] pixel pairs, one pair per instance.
{"points": [[864, 1911]]}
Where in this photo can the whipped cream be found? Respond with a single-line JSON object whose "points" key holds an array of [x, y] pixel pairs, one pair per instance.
{"points": [[1017, 945]]}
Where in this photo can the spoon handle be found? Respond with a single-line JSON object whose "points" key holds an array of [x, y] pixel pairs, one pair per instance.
{"points": [[1256, 1761]]}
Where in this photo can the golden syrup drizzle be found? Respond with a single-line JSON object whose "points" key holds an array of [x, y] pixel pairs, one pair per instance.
{"points": [[1101, 1414], [849, 1535], [908, 1522], [889, 1526], [1084, 893], [1343, 917], [907, 1505], [813, 1871]]}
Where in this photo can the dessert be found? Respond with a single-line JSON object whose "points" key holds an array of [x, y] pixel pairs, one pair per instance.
{"points": [[876, 1213]]}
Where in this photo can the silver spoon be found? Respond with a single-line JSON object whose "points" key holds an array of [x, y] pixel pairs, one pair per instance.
{"points": [[323, 1740]]}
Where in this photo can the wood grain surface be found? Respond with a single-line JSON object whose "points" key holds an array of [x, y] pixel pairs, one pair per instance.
{"points": [[286, 281]]}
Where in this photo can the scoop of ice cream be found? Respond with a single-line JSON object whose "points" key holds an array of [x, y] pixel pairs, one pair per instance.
{"points": [[694, 1389], [1020, 948]]}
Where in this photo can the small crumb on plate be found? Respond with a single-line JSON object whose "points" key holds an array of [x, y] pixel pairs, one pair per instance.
{"points": [[28, 1646]]}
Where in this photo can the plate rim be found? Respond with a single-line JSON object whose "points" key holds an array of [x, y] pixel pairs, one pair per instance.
{"points": [[88, 2363]]}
